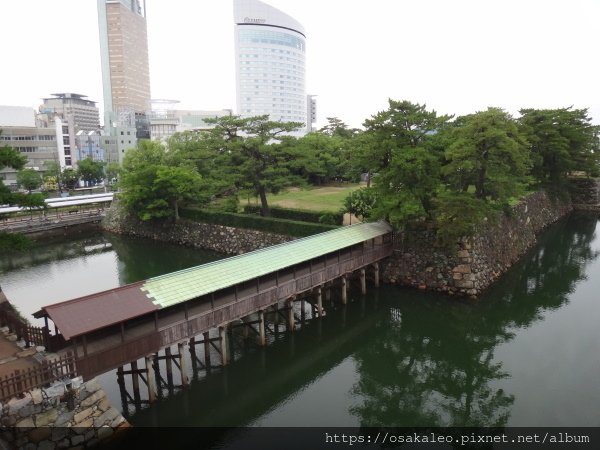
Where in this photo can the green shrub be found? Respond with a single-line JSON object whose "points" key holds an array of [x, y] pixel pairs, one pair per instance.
{"points": [[269, 224], [298, 214]]}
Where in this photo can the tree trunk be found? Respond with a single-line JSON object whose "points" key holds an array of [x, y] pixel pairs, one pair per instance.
{"points": [[264, 207], [176, 210], [369, 179]]}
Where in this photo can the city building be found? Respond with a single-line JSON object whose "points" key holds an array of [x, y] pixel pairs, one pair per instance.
{"points": [[84, 113], [124, 60], [311, 112], [270, 59], [39, 144], [165, 120]]}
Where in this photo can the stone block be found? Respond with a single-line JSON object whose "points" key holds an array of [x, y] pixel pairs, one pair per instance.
{"points": [[83, 427], [8, 421], [63, 418], [82, 415], [16, 404], [65, 443], [56, 390], [463, 254], [91, 434], [76, 440], [462, 268], [11, 338], [104, 405], [464, 284], [40, 434], [36, 396], [93, 385], [59, 433], [47, 445], [44, 419], [77, 382], [118, 421], [457, 276], [107, 417], [95, 397], [25, 423], [104, 432]]}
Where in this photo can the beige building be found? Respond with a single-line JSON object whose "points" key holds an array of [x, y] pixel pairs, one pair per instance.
{"points": [[75, 107], [125, 69]]}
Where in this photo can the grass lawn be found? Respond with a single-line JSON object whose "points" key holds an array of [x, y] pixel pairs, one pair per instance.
{"points": [[326, 198]]}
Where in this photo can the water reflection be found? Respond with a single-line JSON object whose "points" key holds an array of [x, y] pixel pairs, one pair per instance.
{"points": [[436, 366]]}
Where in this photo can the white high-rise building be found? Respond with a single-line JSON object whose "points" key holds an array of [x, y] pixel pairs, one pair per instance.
{"points": [[270, 58]]}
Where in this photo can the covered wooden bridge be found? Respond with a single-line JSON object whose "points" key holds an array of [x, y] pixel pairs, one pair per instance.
{"points": [[109, 329]]}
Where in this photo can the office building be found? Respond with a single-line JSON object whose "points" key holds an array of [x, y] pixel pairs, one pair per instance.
{"points": [[84, 113], [125, 69], [270, 58], [40, 145]]}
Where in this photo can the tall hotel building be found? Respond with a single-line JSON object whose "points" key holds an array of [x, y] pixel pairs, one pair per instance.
{"points": [[124, 58], [270, 62]]}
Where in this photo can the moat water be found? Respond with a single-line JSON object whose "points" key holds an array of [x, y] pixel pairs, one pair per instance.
{"points": [[525, 354]]}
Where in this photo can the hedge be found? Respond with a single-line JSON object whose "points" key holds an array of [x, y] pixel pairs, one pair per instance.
{"points": [[269, 224], [297, 214]]}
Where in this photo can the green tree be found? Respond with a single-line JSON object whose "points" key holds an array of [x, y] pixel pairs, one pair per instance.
{"points": [[360, 203], [155, 185], [561, 141], [251, 150], [29, 179], [90, 171], [318, 157], [489, 152], [69, 178], [336, 127]]}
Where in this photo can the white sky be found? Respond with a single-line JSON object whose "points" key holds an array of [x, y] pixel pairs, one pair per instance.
{"points": [[456, 56]]}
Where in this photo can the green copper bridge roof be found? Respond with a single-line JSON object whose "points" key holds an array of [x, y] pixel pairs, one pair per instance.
{"points": [[170, 289]]}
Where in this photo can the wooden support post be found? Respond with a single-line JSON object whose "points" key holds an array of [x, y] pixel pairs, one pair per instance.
{"points": [[151, 380], [206, 336], [223, 338], [302, 313], [320, 302], [363, 281], [169, 361], [135, 378], [245, 331], [344, 291], [376, 274], [290, 319], [261, 328], [182, 365]]}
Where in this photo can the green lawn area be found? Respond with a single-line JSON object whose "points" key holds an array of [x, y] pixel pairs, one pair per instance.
{"points": [[326, 198]]}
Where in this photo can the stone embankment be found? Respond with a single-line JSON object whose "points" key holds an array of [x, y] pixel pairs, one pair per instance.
{"points": [[73, 415], [418, 261], [218, 238]]}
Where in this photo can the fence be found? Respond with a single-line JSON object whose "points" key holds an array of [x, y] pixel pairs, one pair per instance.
{"points": [[30, 334], [25, 380]]}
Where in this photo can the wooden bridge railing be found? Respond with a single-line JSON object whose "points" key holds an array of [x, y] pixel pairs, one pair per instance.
{"points": [[25, 380]]}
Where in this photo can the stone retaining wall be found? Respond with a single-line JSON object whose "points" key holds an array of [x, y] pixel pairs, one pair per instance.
{"points": [[419, 262], [218, 238], [42, 419]]}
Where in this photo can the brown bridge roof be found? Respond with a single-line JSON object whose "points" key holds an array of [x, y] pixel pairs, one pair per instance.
{"points": [[92, 312]]}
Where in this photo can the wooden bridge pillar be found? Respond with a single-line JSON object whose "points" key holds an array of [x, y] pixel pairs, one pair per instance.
{"points": [[261, 328], [151, 380], [290, 318], [169, 361], [363, 281], [376, 274], [344, 291], [206, 336], [320, 302], [136, 382], [182, 365], [223, 341]]}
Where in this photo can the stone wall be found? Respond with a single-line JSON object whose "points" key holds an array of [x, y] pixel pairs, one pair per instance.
{"points": [[221, 239], [478, 261], [585, 193], [59, 418]]}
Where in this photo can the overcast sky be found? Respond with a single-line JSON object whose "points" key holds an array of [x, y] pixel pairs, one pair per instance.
{"points": [[456, 56]]}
